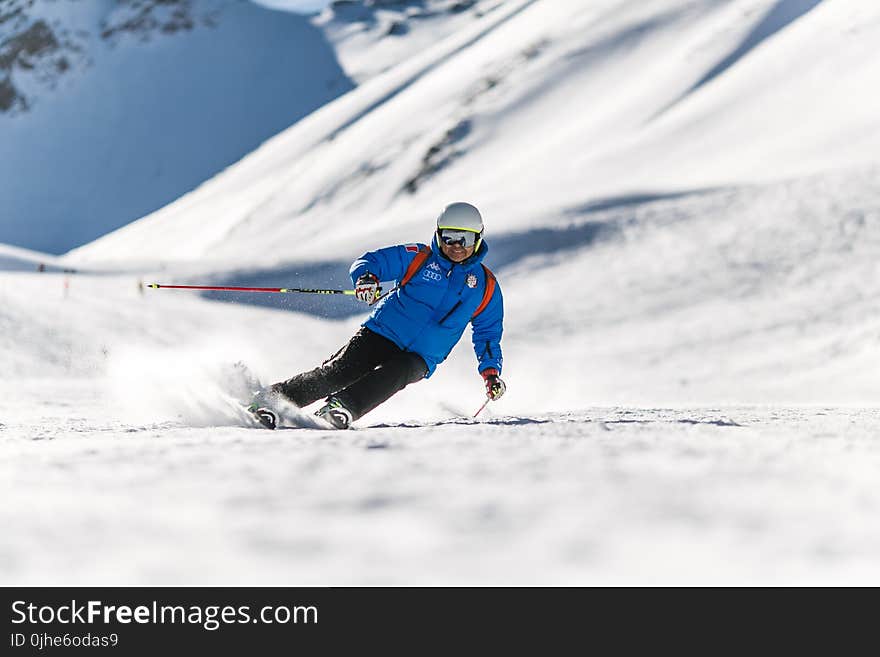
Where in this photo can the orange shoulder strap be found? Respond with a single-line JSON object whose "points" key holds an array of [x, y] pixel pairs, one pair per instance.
{"points": [[416, 264], [419, 261], [487, 293]]}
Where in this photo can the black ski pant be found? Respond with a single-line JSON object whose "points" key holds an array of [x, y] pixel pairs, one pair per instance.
{"points": [[364, 373]]}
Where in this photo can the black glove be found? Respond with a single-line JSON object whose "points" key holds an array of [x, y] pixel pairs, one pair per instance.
{"points": [[495, 387], [367, 288]]}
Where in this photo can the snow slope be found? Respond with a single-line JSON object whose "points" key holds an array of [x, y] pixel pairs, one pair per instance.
{"points": [[122, 460], [15, 259], [121, 107], [715, 245], [754, 496], [534, 109], [682, 209], [373, 37]]}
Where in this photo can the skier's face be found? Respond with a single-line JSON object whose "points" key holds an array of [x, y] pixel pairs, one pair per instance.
{"points": [[457, 244], [456, 252]]}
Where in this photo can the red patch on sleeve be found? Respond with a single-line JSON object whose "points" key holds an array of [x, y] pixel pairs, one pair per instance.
{"points": [[412, 248]]}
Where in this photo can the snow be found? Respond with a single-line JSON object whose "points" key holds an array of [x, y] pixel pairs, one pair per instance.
{"points": [[601, 496], [682, 209], [295, 5], [610, 74], [16, 259], [372, 38], [143, 116]]}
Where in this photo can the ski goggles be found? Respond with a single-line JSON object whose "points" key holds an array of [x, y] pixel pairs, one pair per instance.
{"points": [[450, 236]]}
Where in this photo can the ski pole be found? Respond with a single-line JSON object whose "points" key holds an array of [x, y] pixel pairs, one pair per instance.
{"points": [[483, 406], [227, 288]]}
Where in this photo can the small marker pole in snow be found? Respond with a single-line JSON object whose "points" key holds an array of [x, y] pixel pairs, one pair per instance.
{"points": [[483, 406]]}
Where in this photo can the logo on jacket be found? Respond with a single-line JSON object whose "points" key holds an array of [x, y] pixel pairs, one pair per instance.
{"points": [[435, 267], [471, 280], [431, 275]]}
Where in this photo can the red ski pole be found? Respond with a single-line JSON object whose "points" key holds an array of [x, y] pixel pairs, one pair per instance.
{"points": [[228, 288], [483, 406]]}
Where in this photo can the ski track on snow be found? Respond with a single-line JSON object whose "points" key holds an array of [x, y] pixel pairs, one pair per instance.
{"points": [[722, 495]]}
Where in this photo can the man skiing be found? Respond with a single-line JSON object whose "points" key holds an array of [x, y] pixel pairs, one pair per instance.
{"points": [[412, 328]]}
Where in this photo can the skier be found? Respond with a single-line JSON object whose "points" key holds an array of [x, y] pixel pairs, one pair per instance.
{"points": [[412, 329]]}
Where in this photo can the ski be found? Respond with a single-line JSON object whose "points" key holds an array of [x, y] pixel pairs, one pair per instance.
{"points": [[265, 416]]}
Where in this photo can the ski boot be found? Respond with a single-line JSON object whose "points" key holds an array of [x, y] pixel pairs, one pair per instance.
{"points": [[261, 407], [335, 413]]}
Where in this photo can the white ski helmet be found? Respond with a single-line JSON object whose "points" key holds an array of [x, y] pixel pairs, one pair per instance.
{"points": [[460, 216]]}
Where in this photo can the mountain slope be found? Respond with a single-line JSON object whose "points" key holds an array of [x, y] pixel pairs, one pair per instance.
{"points": [[713, 268], [683, 211], [373, 37], [536, 108], [114, 109]]}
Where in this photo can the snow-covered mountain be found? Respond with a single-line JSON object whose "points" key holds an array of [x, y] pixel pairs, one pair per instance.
{"points": [[373, 36], [110, 109], [682, 208], [654, 140], [539, 109], [689, 169]]}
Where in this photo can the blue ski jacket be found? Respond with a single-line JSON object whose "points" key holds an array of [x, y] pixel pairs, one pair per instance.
{"points": [[428, 315]]}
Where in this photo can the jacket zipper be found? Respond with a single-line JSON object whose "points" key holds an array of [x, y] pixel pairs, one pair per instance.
{"points": [[452, 310]]}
